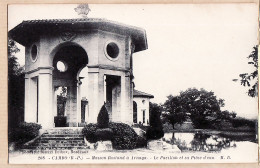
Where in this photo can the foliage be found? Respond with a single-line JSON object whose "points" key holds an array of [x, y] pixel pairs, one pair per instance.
{"points": [[201, 106], [175, 113], [15, 87], [89, 132], [239, 122], [23, 133], [167, 127], [140, 142], [123, 137], [104, 134], [103, 118], [155, 131], [251, 79], [13, 65], [154, 115]]}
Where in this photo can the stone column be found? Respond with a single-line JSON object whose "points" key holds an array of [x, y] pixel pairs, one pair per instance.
{"points": [[116, 102], [30, 100], [128, 102], [131, 99], [55, 112], [45, 114], [95, 93], [79, 104], [71, 106], [87, 112], [123, 109]]}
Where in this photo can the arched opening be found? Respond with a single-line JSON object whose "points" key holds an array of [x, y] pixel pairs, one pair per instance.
{"points": [[134, 112], [68, 62], [83, 97]]}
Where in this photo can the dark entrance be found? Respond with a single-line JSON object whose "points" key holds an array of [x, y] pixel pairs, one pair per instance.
{"points": [[112, 87]]}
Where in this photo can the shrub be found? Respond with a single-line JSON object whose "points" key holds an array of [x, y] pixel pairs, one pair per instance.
{"points": [[154, 133], [140, 142], [24, 133], [104, 134], [89, 132], [124, 136], [238, 122], [103, 118], [121, 135]]}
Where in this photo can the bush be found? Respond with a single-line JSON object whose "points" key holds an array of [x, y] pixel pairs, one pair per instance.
{"points": [[89, 132], [105, 134], [122, 136], [103, 118], [154, 133], [140, 142], [238, 122], [24, 133]]}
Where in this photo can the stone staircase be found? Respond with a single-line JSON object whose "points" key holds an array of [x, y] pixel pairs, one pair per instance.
{"points": [[59, 138]]}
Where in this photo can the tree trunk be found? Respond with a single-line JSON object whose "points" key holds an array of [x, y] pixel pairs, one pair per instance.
{"points": [[173, 134]]}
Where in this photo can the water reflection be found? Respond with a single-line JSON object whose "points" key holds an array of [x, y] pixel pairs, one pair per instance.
{"points": [[199, 141]]}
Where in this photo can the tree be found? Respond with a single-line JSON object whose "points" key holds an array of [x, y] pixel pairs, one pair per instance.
{"points": [[203, 108], [15, 86], [154, 115], [13, 65], [175, 113], [251, 79], [103, 118], [155, 131]]}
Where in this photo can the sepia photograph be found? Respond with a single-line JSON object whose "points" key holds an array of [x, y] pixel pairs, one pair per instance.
{"points": [[132, 83]]}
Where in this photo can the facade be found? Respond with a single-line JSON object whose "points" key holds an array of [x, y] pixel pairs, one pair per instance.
{"points": [[104, 47], [141, 107]]}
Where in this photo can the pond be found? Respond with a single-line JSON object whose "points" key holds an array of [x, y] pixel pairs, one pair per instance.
{"points": [[198, 141]]}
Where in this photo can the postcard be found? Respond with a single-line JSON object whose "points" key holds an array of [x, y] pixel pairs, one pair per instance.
{"points": [[132, 83]]}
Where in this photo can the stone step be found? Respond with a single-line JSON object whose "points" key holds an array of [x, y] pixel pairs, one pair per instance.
{"points": [[60, 141], [62, 135], [52, 147], [58, 145], [61, 138], [65, 131]]}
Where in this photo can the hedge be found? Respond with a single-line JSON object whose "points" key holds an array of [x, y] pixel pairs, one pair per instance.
{"points": [[23, 133], [123, 136]]}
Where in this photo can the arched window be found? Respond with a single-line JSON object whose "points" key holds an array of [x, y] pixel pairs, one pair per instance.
{"points": [[134, 112]]}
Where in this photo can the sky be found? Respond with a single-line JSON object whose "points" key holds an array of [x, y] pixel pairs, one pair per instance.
{"points": [[189, 45]]}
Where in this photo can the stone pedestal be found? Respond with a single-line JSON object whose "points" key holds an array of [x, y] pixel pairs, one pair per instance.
{"points": [[161, 145], [103, 146], [155, 145]]}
